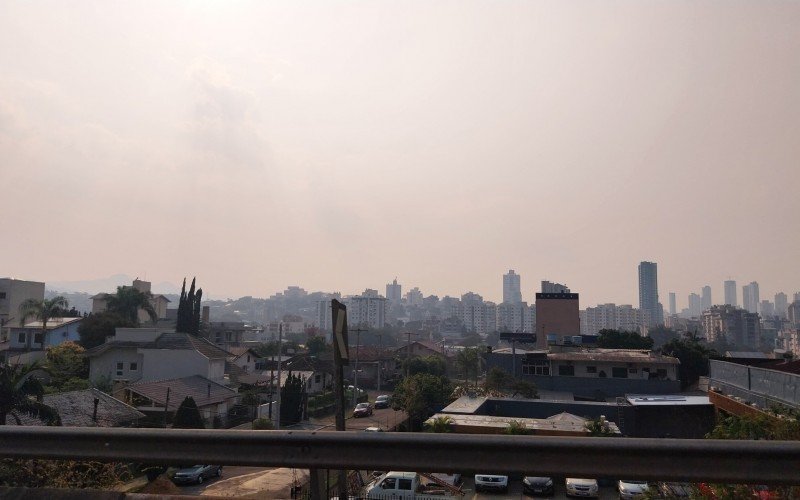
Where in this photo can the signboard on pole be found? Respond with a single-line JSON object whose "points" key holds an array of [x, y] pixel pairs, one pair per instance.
{"points": [[341, 348]]}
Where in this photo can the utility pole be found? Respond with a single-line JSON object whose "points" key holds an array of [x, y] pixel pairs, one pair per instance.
{"points": [[280, 365], [408, 351], [355, 373], [341, 357], [380, 355]]}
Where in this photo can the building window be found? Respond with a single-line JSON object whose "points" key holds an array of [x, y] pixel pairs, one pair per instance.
{"points": [[617, 372], [37, 338], [662, 373], [133, 367], [566, 370], [2, 295], [120, 368], [591, 369], [21, 338], [535, 369], [317, 378], [632, 370]]}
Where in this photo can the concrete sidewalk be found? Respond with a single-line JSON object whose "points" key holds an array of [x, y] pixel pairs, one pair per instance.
{"points": [[272, 484]]}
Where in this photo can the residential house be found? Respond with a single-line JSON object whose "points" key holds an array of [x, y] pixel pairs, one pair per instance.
{"points": [[145, 354], [159, 302], [29, 343], [155, 397], [12, 294], [87, 408]]}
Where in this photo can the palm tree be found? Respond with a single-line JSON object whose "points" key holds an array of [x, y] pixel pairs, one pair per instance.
{"points": [[442, 423], [21, 393], [127, 302], [43, 310]]}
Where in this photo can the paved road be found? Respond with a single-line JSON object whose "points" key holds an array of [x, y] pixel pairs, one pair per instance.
{"points": [[515, 491], [227, 473]]}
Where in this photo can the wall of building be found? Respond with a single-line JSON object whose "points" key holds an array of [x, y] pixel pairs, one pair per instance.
{"points": [[759, 385], [162, 364], [12, 294], [556, 314], [104, 366]]}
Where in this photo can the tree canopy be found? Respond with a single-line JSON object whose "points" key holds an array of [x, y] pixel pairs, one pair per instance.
{"points": [[421, 395], [189, 308], [188, 415], [693, 356], [127, 302], [21, 393], [316, 345], [95, 328], [67, 367], [293, 395], [615, 339], [435, 365]]}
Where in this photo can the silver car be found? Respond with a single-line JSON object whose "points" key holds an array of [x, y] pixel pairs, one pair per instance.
{"points": [[196, 474]]}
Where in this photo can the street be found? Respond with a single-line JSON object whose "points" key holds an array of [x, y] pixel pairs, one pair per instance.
{"points": [[227, 473]]}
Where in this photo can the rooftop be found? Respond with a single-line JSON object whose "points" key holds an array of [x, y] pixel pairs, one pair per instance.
{"points": [[76, 409], [614, 355], [204, 391], [666, 399], [166, 341], [52, 323]]}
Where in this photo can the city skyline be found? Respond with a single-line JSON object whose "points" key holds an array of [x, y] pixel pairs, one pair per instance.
{"points": [[258, 146]]}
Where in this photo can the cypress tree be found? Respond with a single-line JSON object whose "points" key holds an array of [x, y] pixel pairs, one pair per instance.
{"points": [[196, 312], [188, 416], [180, 326]]}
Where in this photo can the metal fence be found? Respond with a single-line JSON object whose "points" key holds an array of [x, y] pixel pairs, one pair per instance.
{"points": [[757, 462]]}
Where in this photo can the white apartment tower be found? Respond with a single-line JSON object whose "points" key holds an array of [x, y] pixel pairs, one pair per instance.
{"points": [[512, 290]]}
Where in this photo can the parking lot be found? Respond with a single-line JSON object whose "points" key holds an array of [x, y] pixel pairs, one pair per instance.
{"points": [[515, 491]]}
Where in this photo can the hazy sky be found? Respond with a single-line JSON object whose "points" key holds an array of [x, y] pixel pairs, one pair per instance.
{"points": [[336, 145]]}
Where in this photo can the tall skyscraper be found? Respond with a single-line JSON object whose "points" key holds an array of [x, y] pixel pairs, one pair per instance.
{"points": [[673, 308], [648, 293], [394, 292], [730, 293], [557, 316], [512, 293], [548, 287], [706, 298], [750, 298], [781, 304], [695, 305]]}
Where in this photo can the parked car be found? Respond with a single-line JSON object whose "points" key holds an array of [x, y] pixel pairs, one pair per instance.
{"points": [[578, 487], [407, 486], [382, 401], [535, 485], [196, 474], [491, 482], [631, 490], [362, 410]]}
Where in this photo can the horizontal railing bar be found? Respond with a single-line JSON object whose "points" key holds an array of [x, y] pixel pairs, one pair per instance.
{"points": [[694, 460]]}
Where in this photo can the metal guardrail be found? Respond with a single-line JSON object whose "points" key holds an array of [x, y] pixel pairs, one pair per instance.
{"points": [[696, 460]]}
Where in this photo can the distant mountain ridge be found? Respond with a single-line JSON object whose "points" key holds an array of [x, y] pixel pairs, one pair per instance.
{"points": [[109, 284]]}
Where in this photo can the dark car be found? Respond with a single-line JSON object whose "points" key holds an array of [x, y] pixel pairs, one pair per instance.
{"points": [[382, 401], [196, 474], [362, 410], [535, 485]]}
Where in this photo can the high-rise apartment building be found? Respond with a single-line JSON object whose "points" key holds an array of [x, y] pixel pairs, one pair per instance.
{"points": [[730, 293], [750, 298], [735, 325], [793, 313], [695, 305], [781, 304], [548, 287], [414, 297], [673, 307], [766, 308], [394, 292], [705, 298], [512, 290], [557, 316], [648, 293], [611, 316], [367, 310], [477, 315], [515, 317]]}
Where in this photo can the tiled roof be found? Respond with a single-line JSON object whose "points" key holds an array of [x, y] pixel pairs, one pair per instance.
{"points": [[77, 407], [167, 341], [614, 356], [204, 391], [52, 323]]}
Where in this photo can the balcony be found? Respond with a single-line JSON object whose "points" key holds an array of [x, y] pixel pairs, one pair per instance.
{"points": [[754, 462]]}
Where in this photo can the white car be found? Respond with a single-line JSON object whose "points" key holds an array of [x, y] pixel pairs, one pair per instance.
{"points": [[577, 487], [630, 490], [491, 482]]}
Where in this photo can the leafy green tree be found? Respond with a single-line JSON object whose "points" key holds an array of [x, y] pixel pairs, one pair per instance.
{"points": [[189, 308], [497, 380], [661, 335], [21, 393], [525, 389], [693, 356], [293, 395], [469, 361], [95, 328], [127, 302], [42, 310], [435, 365], [440, 424], [421, 395], [598, 428], [615, 339], [66, 366], [316, 345], [188, 415]]}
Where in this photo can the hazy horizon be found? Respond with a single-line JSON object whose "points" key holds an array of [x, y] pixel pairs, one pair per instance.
{"points": [[336, 146]]}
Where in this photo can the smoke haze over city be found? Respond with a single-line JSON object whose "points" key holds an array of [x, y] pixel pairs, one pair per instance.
{"points": [[335, 146]]}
